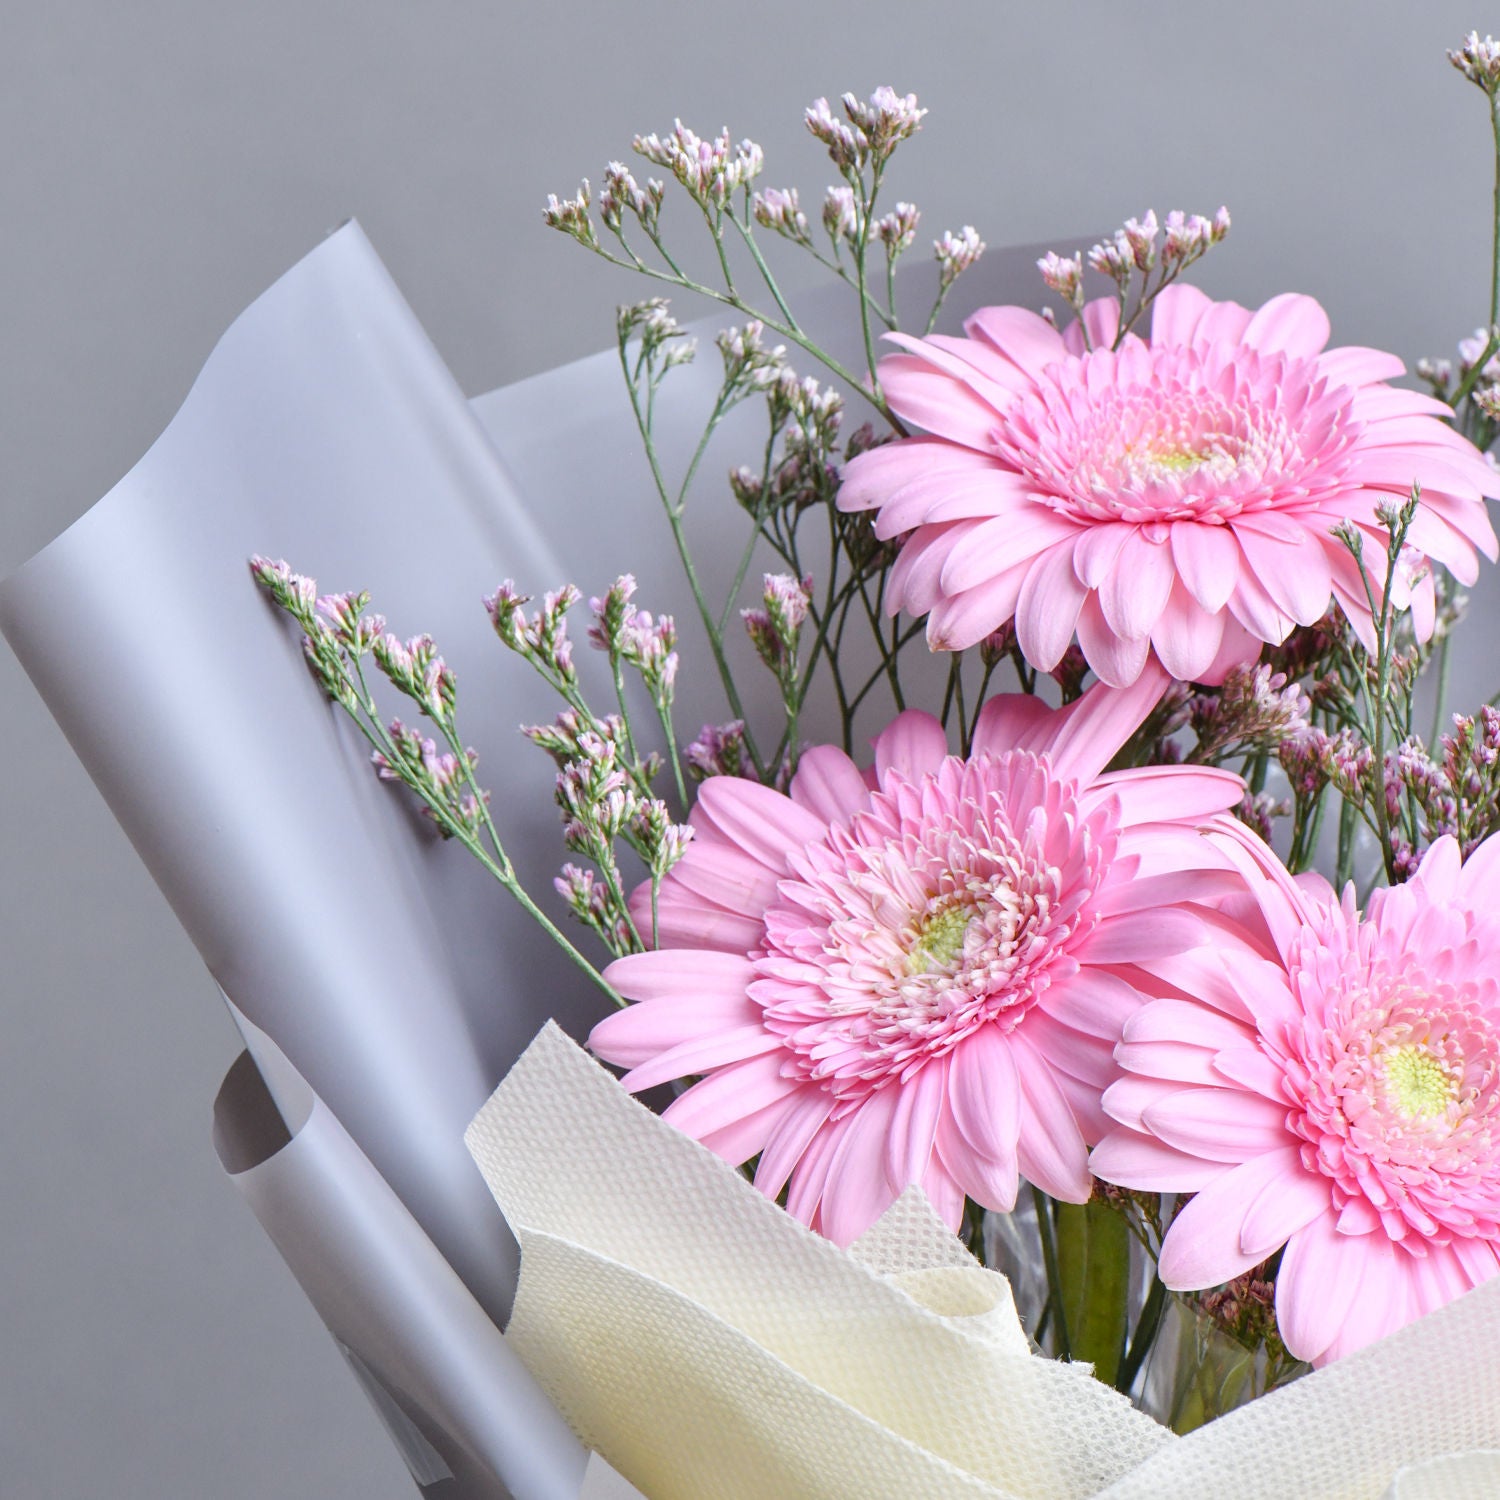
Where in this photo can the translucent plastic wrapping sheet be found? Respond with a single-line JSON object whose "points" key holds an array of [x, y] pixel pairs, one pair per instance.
{"points": [[463, 1411]]}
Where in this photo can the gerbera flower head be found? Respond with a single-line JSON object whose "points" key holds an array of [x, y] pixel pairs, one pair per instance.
{"points": [[1336, 1092], [1175, 497], [918, 973]]}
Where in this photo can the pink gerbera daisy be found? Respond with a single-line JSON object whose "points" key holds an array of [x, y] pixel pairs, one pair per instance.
{"points": [[1176, 496], [918, 974], [1337, 1093]]}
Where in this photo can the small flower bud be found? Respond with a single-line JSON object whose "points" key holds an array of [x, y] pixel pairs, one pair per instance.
{"points": [[955, 253]]}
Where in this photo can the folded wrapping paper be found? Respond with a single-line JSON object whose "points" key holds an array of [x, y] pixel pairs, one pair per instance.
{"points": [[460, 1405], [709, 1346], [712, 1349]]}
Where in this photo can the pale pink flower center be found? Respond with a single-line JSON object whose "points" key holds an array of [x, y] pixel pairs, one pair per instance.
{"points": [[1397, 1083], [1176, 434], [949, 905]]}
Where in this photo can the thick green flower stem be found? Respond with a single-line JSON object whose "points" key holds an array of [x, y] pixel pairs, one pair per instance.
{"points": [[1093, 1263]]}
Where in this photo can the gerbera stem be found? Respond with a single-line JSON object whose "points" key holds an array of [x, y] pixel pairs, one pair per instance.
{"points": [[1146, 1328], [1044, 1206], [1093, 1258]]}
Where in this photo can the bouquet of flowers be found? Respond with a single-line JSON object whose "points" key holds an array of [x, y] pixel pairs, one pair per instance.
{"points": [[1064, 968]]}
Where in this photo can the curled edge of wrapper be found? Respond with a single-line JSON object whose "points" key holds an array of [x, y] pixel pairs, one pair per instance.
{"points": [[711, 1348]]}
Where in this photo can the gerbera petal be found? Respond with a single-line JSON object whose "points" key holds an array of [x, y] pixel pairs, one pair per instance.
{"points": [[1007, 719], [1116, 660], [959, 622], [678, 973], [1135, 592], [858, 1189], [1162, 794], [728, 878], [929, 398], [755, 818], [1176, 313], [631, 1037], [914, 1122], [1295, 575], [914, 743], [1318, 1287], [1202, 1248], [984, 1096], [1225, 1124], [1384, 1302], [1187, 637], [1094, 1002], [729, 1094], [1024, 337], [994, 546], [829, 785], [1050, 1146], [1124, 940], [867, 479], [990, 1181], [1048, 607], [1088, 734], [804, 1113], [702, 1054], [985, 491], [1133, 1159], [1291, 1199], [1097, 550], [1289, 324]]}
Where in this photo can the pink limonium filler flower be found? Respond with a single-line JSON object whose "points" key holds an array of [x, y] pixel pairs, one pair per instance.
{"points": [[1336, 1092], [1175, 497], [917, 974]]}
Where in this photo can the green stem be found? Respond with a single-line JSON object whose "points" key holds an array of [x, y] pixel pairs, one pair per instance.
{"points": [[674, 759], [500, 867], [861, 259], [1093, 1258], [1148, 1325], [748, 235], [1054, 1277], [684, 552], [1495, 237], [775, 325]]}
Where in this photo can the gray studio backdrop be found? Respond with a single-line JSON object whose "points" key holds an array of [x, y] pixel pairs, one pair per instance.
{"points": [[165, 163]]}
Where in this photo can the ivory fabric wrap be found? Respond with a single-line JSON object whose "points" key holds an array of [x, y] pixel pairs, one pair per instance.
{"points": [[711, 1348]]}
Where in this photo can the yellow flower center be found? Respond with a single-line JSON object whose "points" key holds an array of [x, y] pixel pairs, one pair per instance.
{"points": [[1178, 460], [940, 936], [1419, 1084]]}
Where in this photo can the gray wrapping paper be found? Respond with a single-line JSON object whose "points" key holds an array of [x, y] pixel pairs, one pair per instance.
{"points": [[391, 975], [462, 1409]]}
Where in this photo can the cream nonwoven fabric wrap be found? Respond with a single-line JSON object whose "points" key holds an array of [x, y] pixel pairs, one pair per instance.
{"points": [[711, 1348]]}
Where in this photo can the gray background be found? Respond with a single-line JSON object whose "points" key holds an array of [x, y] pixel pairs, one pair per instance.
{"points": [[164, 162]]}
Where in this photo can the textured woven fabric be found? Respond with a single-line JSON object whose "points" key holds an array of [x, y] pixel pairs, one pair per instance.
{"points": [[711, 1348], [1345, 1431], [1474, 1476]]}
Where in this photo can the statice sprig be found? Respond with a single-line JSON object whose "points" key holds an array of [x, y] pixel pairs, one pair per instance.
{"points": [[718, 177], [338, 638], [1385, 679], [634, 638], [775, 630], [604, 780], [1141, 259]]}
